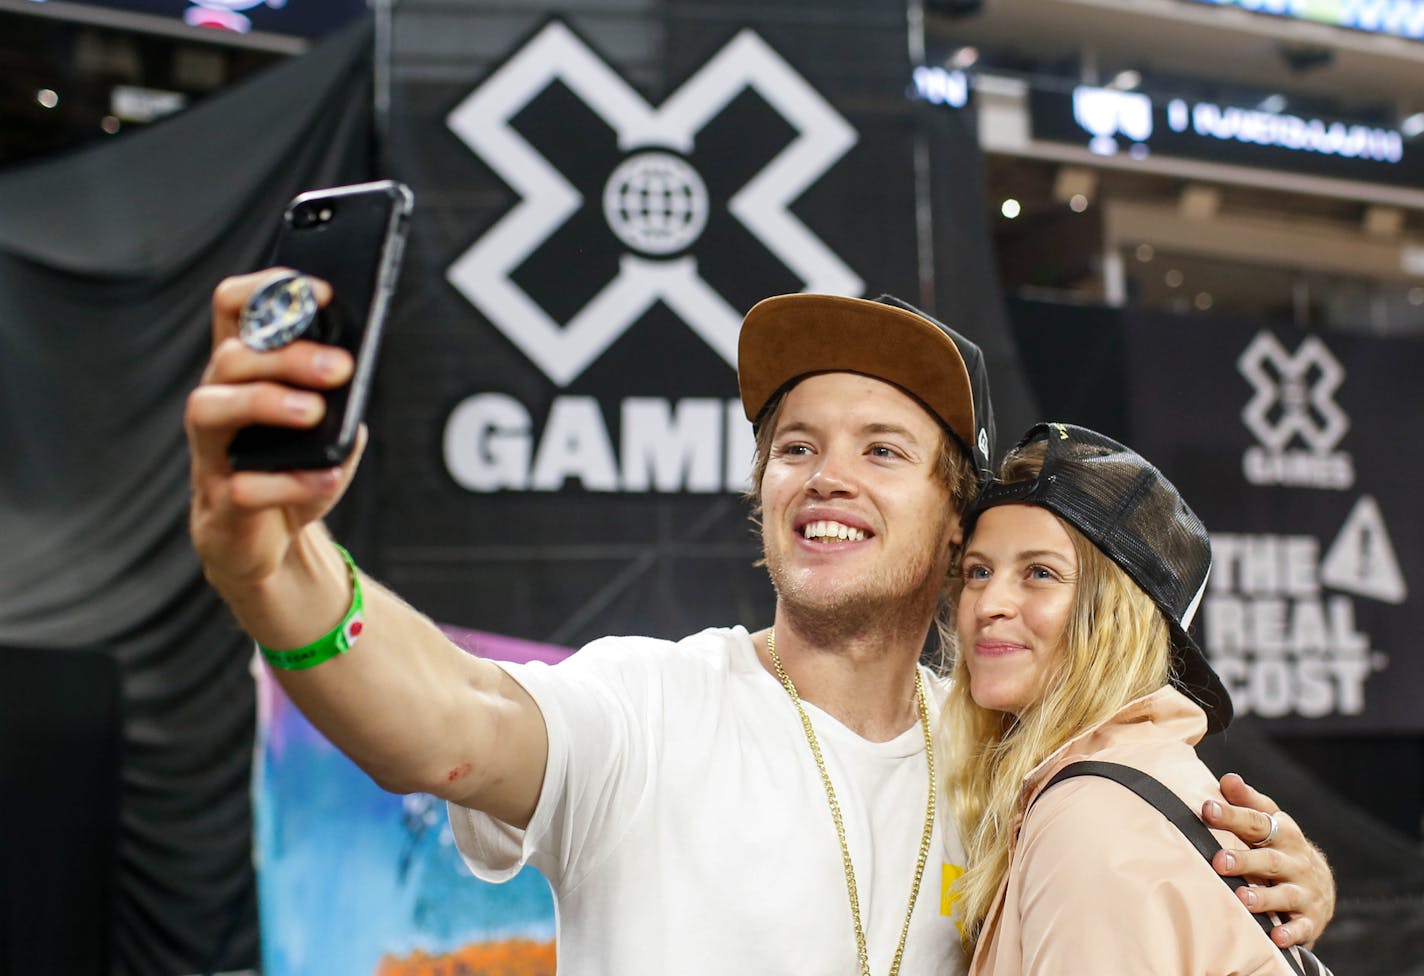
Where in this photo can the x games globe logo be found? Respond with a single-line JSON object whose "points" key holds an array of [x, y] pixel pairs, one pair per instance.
{"points": [[1294, 416], [654, 201], [611, 198]]}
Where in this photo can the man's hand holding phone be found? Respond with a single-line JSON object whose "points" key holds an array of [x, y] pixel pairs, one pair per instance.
{"points": [[249, 526], [275, 428]]}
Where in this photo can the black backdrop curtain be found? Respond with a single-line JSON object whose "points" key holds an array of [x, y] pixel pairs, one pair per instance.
{"points": [[107, 262], [59, 772]]}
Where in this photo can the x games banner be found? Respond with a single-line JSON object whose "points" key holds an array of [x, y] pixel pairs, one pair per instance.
{"points": [[597, 207], [1296, 449]]}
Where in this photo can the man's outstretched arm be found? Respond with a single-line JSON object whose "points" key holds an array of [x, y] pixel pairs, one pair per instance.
{"points": [[413, 710]]}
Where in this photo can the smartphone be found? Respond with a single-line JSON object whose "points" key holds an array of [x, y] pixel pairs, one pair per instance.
{"points": [[353, 237]]}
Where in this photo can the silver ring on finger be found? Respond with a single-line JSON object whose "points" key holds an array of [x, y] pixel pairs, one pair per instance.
{"points": [[1270, 834]]}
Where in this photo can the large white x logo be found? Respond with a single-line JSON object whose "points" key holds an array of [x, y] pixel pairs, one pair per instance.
{"points": [[483, 273], [1290, 390]]}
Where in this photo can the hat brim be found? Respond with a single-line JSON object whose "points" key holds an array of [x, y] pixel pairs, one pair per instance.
{"points": [[786, 337], [1196, 679]]}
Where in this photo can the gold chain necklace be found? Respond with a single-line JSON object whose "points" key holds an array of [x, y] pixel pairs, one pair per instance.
{"points": [[923, 856]]}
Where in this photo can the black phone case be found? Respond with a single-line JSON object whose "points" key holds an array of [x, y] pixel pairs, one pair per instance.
{"points": [[357, 250]]}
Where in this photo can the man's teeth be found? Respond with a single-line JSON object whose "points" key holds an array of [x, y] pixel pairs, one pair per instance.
{"points": [[832, 531]]}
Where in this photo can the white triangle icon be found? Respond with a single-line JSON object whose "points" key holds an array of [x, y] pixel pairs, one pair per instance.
{"points": [[1361, 560]]}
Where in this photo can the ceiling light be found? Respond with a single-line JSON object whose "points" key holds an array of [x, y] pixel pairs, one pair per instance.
{"points": [[1010, 208]]}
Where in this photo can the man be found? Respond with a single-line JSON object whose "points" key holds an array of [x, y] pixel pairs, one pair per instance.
{"points": [[732, 802]]}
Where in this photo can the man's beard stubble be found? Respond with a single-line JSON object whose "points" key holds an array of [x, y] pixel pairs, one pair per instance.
{"points": [[900, 604]]}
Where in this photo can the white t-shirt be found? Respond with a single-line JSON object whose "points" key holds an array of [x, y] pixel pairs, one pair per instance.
{"points": [[684, 827]]}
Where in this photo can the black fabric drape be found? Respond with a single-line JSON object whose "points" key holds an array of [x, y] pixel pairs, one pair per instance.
{"points": [[59, 772], [108, 258]]}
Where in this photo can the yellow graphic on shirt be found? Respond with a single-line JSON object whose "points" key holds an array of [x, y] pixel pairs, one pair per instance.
{"points": [[949, 874], [949, 895]]}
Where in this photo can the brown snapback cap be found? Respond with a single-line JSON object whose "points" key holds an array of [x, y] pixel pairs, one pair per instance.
{"points": [[787, 337]]}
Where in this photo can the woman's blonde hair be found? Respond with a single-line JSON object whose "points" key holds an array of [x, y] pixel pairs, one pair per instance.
{"points": [[1115, 647]]}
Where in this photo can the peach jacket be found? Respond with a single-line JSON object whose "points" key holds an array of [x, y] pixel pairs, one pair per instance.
{"points": [[1100, 882]]}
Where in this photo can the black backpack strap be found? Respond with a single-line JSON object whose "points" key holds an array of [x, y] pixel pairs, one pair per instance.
{"points": [[1172, 807]]}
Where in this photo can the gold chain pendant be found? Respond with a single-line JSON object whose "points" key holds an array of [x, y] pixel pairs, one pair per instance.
{"points": [[923, 856]]}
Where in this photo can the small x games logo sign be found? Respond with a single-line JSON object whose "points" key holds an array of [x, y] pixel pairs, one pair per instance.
{"points": [[1293, 415], [653, 200]]}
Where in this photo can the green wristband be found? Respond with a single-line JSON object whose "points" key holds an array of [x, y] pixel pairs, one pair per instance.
{"points": [[326, 647]]}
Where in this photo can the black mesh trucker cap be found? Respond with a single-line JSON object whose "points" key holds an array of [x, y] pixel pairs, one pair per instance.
{"points": [[1130, 511], [787, 337]]}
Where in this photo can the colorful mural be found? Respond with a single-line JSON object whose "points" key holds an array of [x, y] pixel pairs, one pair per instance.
{"points": [[355, 880]]}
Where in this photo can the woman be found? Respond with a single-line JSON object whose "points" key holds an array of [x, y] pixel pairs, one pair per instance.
{"points": [[1081, 572]]}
